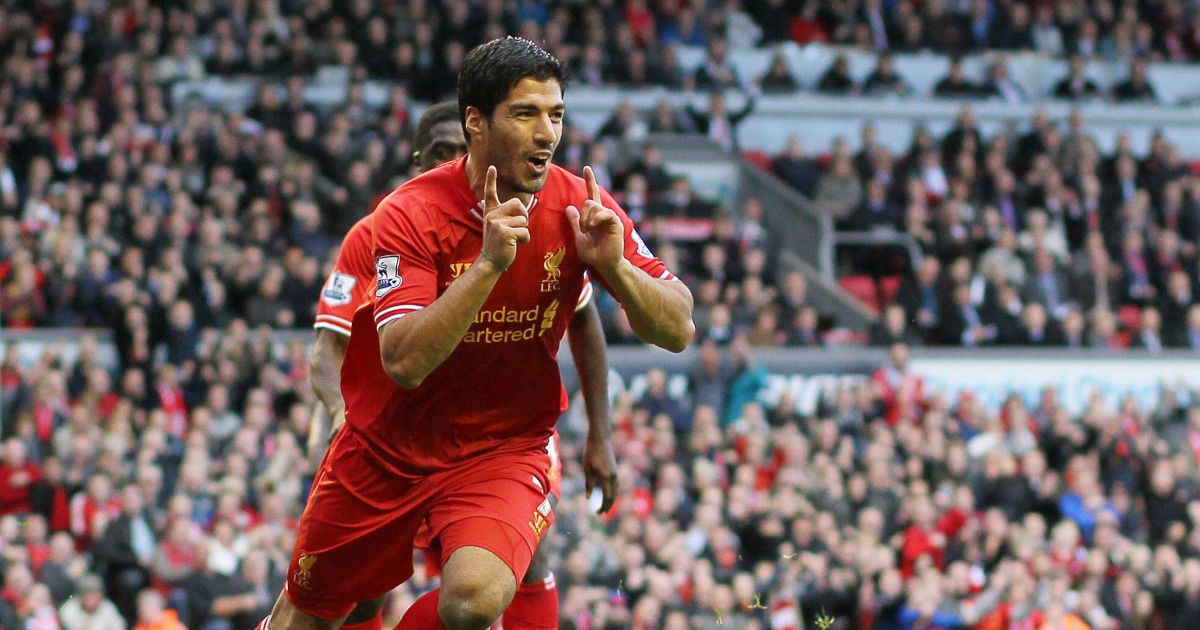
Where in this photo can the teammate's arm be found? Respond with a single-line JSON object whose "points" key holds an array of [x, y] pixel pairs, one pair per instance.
{"points": [[325, 365], [414, 345], [659, 310], [586, 337]]}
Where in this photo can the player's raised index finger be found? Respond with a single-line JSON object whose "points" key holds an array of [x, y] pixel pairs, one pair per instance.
{"points": [[593, 187], [490, 199]]}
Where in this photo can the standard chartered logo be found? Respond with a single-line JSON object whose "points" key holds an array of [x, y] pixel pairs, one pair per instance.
{"points": [[506, 325], [505, 315], [548, 316]]}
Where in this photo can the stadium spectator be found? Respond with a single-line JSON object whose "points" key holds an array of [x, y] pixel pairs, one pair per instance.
{"points": [[679, 200], [626, 124], [837, 79], [955, 84], [1137, 86], [893, 328], [152, 613], [717, 72], [125, 552], [793, 166], [90, 609], [719, 123], [839, 190], [1193, 328], [884, 80], [778, 79], [1000, 85], [1149, 333], [1045, 33], [17, 477], [1076, 85]]}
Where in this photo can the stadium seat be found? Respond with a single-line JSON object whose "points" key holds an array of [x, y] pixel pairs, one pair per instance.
{"points": [[888, 285], [758, 158], [863, 288]]}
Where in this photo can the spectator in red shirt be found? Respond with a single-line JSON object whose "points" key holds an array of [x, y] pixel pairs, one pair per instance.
{"points": [[641, 21], [922, 537], [36, 546], [97, 500], [48, 497], [17, 474], [901, 389], [24, 301]]}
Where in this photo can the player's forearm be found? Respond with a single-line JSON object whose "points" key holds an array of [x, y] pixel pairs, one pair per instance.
{"points": [[589, 352], [325, 369], [320, 426], [415, 345], [659, 311]]}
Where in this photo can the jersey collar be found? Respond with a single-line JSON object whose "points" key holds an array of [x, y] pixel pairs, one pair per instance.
{"points": [[477, 210]]}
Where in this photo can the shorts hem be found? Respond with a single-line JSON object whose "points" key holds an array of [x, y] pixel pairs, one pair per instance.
{"points": [[324, 614], [504, 555]]}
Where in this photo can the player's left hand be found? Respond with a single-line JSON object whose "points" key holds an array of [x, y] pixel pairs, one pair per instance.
{"points": [[599, 233], [600, 470]]}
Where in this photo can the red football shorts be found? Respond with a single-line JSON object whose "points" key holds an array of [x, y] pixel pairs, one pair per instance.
{"points": [[355, 540], [433, 550]]}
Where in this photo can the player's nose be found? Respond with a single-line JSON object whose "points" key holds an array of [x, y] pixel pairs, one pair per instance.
{"points": [[543, 132]]}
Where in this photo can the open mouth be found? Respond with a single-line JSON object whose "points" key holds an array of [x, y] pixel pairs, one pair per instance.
{"points": [[539, 161]]}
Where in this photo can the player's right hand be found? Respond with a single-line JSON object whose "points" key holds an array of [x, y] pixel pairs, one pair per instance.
{"points": [[505, 225]]}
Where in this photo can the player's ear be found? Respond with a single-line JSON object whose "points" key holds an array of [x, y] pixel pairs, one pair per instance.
{"points": [[416, 157], [474, 121]]}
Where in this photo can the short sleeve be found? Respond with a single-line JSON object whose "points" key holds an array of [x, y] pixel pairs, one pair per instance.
{"points": [[350, 282], [585, 294], [405, 262]]}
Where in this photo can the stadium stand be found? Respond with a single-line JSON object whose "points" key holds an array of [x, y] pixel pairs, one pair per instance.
{"points": [[176, 177]]}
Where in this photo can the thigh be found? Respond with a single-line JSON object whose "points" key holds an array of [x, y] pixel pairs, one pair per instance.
{"points": [[501, 505], [354, 542]]}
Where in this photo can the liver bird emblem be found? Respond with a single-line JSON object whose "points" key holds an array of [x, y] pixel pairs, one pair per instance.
{"points": [[552, 263]]}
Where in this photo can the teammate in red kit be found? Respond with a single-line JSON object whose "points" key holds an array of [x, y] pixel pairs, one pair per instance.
{"points": [[439, 138], [450, 378]]}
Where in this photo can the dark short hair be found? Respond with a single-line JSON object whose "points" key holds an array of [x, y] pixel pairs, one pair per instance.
{"points": [[434, 116], [491, 70]]}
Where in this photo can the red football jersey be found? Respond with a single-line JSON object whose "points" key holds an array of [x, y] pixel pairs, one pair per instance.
{"points": [[353, 279], [499, 391], [351, 282]]}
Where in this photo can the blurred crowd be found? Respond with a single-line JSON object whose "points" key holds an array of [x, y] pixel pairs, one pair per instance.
{"points": [[1031, 237], [890, 506], [1098, 29], [119, 210], [172, 499], [161, 491]]}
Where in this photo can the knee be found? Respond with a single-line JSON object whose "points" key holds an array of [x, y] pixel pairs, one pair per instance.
{"points": [[475, 604]]}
